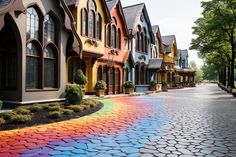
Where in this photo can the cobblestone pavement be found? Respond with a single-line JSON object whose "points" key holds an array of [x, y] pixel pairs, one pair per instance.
{"points": [[188, 122]]}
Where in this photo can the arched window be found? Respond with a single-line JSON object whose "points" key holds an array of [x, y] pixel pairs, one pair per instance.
{"points": [[111, 77], [99, 27], [114, 20], [104, 74], [32, 66], [91, 31], [92, 5], [49, 29], [118, 45], [32, 26], [113, 36], [142, 43], [84, 22], [108, 35], [49, 67], [137, 41], [117, 77], [137, 74], [142, 76]]}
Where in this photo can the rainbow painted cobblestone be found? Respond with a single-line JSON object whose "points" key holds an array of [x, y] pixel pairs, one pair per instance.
{"points": [[121, 128]]}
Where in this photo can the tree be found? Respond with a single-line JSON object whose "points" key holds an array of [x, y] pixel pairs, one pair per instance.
{"points": [[215, 32], [193, 65]]}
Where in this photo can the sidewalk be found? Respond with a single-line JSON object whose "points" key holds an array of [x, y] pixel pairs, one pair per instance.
{"points": [[120, 95]]}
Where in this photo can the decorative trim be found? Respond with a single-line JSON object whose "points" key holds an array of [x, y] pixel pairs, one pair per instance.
{"points": [[92, 42]]}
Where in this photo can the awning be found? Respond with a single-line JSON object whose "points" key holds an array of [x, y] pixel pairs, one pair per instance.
{"points": [[155, 63]]}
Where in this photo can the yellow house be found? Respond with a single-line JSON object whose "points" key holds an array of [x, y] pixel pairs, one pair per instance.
{"points": [[170, 54], [90, 17]]}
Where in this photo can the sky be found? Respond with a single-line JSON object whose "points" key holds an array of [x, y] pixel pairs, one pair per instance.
{"points": [[175, 17]]}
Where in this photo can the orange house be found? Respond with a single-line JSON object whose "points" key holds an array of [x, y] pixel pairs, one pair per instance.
{"points": [[110, 66]]}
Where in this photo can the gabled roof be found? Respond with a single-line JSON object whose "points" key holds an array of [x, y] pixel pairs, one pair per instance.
{"points": [[168, 42], [132, 15], [183, 53], [155, 28], [155, 63], [112, 4], [104, 5]]}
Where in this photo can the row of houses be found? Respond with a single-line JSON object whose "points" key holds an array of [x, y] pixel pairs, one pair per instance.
{"points": [[43, 43]]}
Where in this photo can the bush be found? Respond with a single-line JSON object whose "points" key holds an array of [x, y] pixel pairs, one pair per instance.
{"points": [[36, 107], [164, 84], [74, 94], [54, 104], [54, 108], [128, 84], [101, 85], [1, 104], [89, 101], [67, 111], [86, 107], [80, 78], [54, 114], [22, 110], [19, 118], [76, 108], [2, 121], [7, 115], [153, 83]]}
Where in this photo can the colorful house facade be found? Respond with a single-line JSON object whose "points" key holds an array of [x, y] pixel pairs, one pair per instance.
{"points": [[141, 36], [91, 16], [156, 63], [186, 74], [171, 51], [110, 65], [36, 37]]}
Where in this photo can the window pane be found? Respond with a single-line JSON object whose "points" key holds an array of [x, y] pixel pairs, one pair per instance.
{"points": [[91, 24], [49, 67], [32, 23], [49, 29], [84, 21], [32, 72], [99, 25], [117, 77], [111, 76], [113, 37]]}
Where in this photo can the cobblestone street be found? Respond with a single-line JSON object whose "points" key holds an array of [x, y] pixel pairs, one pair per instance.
{"points": [[197, 121]]}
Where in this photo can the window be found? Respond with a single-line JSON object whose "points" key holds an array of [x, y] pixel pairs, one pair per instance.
{"points": [[32, 66], [91, 24], [99, 73], [142, 43], [117, 77], [49, 29], [99, 27], [111, 76], [32, 27], [92, 5], [108, 35], [104, 74], [41, 64], [49, 67], [137, 41], [84, 22], [113, 36], [118, 45]]}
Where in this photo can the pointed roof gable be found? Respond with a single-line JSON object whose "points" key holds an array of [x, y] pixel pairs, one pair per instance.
{"points": [[132, 14], [105, 7], [168, 41], [111, 5]]}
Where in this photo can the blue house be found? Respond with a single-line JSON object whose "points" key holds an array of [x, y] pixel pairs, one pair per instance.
{"points": [[141, 38]]}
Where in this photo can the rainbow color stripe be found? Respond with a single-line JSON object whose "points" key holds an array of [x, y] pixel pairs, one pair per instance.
{"points": [[120, 128]]}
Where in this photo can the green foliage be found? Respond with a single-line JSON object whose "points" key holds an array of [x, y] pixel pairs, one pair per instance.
{"points": [[2, 121], [54, 108], [164, 84], [67, 111], [209, 72], [89, 102], [215, 35], [54, 104], [1, 104], [76, 108], [128, 84], [7, 115], [36, 107], [101, 85], [74, 94], [153, 83], [20, 118], [80, 78], [22, 110], [54, 114]]}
